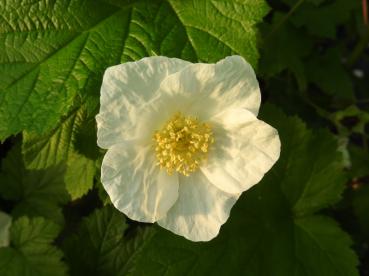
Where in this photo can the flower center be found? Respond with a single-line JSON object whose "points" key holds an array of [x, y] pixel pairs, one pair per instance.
{"points": [[182, 144]]}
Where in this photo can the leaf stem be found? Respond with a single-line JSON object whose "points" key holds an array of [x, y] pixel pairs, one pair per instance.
{"points": [[359, 49], [321, 111], [284, 19]]}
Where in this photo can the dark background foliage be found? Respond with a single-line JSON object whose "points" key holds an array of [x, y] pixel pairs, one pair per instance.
{"points": [[321, 75]]}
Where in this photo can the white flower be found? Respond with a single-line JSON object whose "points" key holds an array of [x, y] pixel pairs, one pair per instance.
{"points": [[183, 141]]}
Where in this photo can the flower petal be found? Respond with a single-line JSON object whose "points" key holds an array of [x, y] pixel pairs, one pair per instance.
{"points": [[245, 149], [230, 83], [200, 210], [126, 89], [135, 184]]}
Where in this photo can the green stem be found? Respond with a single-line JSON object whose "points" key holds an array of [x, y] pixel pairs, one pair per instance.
{"points": [[359, 49], [321, 111], [284, 19]]}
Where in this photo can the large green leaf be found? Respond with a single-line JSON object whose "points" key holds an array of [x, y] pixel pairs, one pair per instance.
{"points": [[62, 146], [310, 171], [327, 72], [35, 192], [31, 252], [255, 244], [284, 48], [103, 245], [51, 51]]}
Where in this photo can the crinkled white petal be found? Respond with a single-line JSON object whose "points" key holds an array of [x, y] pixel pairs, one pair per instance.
{"points": [[5, 223], [126, 90], [200, 210], [135, 184], [204, 90], [245, 149], [137, 98]]}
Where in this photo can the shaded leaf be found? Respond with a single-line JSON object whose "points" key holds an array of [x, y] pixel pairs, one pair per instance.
{"points": [[328, 73], [52, 51], [31, 252], [102, 245], [35, 192], [59, 147], [324, 19], [284, 48]]}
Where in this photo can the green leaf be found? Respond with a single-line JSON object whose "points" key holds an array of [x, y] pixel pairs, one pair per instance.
{"points": [[324, 247], [85, 137], [31, 252], [273, 229], [102, 245], [284, 48], [328, 73], [310, 170], [313, 246], [62, 146], [54, 147], [361, 209], [52, 51], [79, 176], [225, 28], [35, 192]]}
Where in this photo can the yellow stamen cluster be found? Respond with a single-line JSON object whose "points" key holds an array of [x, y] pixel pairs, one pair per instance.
{"points": [[182, 144]]}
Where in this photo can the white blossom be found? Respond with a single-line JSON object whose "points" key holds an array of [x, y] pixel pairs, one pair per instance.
{"points": [[183, 141]]}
